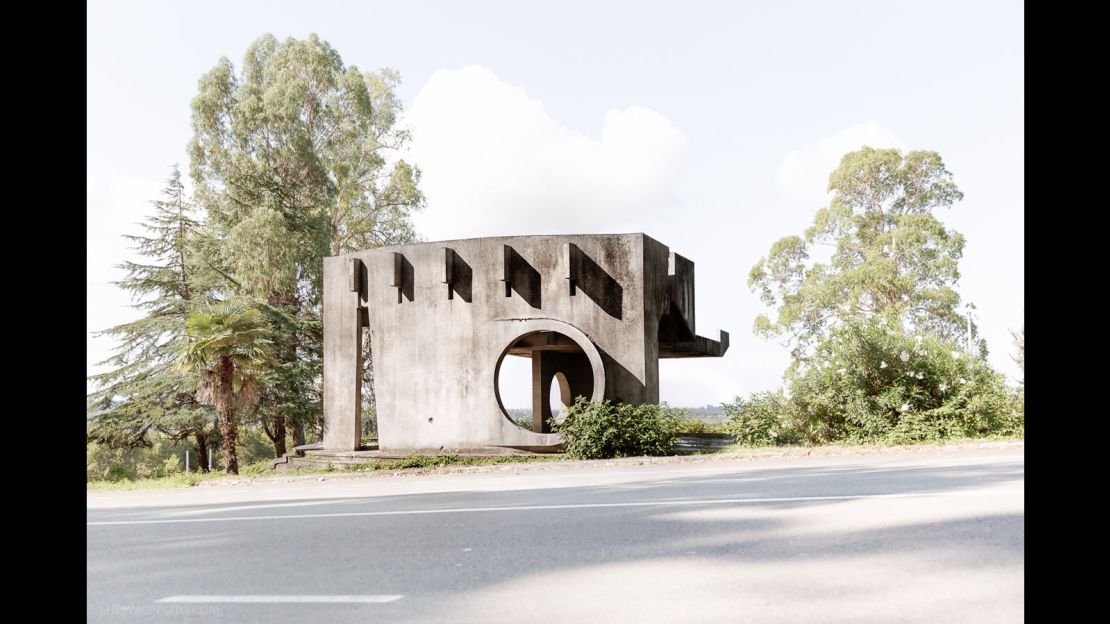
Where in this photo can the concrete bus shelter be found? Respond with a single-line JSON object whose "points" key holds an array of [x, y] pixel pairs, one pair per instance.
{"points": [[594, 313]]}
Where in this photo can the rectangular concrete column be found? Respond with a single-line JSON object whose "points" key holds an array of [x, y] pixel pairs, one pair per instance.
{"points": [[342, 356], [541, 388]]}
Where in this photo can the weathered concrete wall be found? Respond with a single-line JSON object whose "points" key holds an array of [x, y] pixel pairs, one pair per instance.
{"points": [[344, 278], [655, 306], [437, 346]]}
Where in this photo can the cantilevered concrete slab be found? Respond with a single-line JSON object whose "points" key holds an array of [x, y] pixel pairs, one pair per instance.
{"points": [[594, 313]]}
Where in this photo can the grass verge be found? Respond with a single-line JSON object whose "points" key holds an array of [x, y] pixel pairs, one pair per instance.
{"points": [[414, 463], [423, 463]]}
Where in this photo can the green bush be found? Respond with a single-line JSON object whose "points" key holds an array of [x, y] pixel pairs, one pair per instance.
{"points": [[166, 457], [253, 447], [870, 382], [116, 472], [691, 426], [604, 430], [162, 458], [760, 420]]}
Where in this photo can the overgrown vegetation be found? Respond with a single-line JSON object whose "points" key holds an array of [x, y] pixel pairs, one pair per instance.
{"points": [[165, 457], [870, 382], [604, 429], [696, 426], [756, 421]]}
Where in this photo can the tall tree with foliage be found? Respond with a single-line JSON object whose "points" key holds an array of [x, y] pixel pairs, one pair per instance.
{"points": [[294, 158], [142, 392], [867, 299], [888, 254], [228, 348]]}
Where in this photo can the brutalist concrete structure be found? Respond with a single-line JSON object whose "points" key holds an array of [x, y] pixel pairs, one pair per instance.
{"points": [[593, 312]]}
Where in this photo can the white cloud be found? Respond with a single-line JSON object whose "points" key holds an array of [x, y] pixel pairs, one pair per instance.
{"points": [[804, 173], [495, 163]]}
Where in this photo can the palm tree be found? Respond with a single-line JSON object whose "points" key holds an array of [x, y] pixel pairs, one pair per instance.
{"points": [[229, 345]]}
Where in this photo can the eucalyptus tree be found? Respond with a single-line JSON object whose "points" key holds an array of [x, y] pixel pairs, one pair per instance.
{"points": [[228, 347], [867, 299], [295, 157], [141, 392], [887, 254]]}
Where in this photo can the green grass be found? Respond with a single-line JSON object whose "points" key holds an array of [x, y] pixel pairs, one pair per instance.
{"points": [[262, 469], [175, 481]]}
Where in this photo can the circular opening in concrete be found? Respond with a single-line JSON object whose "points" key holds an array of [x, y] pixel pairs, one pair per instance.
{"points": [[559, 369], [560, 396], [514, 380]]}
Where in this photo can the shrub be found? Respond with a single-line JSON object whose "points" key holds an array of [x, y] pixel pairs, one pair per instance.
{"points": [[117, 472], [604, 430], [689, 426], [166, 457], [104, 463], [759, 421], [870, 382]]}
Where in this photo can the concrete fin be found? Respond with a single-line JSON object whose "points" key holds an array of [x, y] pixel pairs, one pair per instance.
{"points": [[570, 254], [449, 270], [507, 269], [398, 273], [354, 273]]}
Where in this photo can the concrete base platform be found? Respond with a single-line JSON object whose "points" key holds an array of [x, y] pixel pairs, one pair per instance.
{"points": [[312, 456]]}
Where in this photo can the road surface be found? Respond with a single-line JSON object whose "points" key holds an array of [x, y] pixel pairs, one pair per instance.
{"points": [[932, 537]]}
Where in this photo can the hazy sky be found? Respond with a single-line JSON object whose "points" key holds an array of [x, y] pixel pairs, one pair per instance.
{"points": [[710, 126]]}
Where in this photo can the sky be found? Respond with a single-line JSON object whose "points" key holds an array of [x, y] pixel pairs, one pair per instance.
{"points": [[710, 126]]}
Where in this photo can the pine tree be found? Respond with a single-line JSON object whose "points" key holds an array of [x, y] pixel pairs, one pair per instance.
{"points": [[142, 392]]}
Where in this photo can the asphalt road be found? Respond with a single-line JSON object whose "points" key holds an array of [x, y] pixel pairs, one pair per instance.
{"points": [[914, 538]]}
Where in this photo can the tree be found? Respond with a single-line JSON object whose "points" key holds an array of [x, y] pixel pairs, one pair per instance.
{"points": [[142, 392], [888, 255], [228, 348], [296, 158]]}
